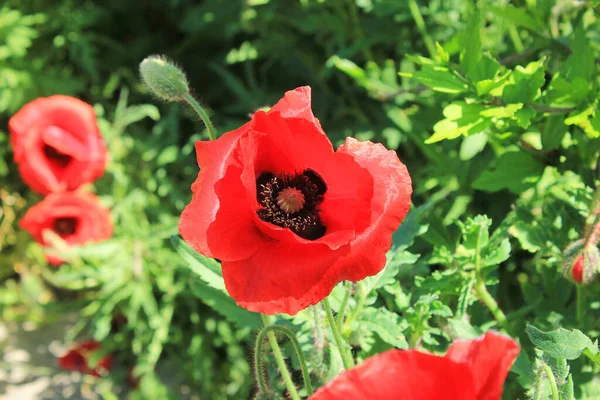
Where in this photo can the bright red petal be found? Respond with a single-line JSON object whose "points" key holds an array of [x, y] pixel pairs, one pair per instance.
{"points": [[389, 205], [401, 375], [233, 235], [490, 358], [214, 157], [295, 104], [283, 278]]}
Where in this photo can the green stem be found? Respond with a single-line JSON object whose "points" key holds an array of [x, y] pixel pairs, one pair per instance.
{"points": [[342, 310], [258, 360], [362, 297], [481, 289], [538, 385], [514, 36], [418, 17], [339, 341], [581, 305], [212, 134], [552, 380], [285, 374]]}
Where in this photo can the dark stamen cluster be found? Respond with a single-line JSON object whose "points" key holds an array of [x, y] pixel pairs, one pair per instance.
{"points": [[60, 159], [306, 222], [65, 226]]}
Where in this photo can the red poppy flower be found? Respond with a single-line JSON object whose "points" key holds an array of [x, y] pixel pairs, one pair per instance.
{"points": [[77, 217], [77, 359], [57, 144], [287, 215], [471, 370]]}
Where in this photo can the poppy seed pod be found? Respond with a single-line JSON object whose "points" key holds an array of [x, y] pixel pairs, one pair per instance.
{"points": [[581, 262], [163, 78]]}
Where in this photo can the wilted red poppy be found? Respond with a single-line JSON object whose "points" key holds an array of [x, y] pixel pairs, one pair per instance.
{"points": [[287, 215], [77, 217], [57, 144], [78, 357], [471, 370]]}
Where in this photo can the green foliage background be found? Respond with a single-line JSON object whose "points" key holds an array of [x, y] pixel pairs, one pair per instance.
{"points": [[492, 106]]}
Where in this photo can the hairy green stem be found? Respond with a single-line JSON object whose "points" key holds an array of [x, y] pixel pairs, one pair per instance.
{"points": [[418, 18], [212, 134], [552, 380], [581, 305], [258, 359], [342, 310], [362, 297], [339, 340], [285, 373]]}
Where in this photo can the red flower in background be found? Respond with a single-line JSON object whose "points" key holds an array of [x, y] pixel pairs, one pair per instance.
{"points": [[77, 359], [77, 217], [287, 215], [471, 370], [577, 270], [57, 144]]}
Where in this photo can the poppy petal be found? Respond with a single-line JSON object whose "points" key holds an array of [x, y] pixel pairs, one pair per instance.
{"points": [[389, 205], [214, 157], [398, 374], [490, 358]]}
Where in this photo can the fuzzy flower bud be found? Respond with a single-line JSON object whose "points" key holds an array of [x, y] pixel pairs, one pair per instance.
{"points": [[581, 262], [164, 79]]}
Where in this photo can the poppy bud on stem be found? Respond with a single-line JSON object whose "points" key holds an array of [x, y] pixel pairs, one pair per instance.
{"points": [[169, 83]]}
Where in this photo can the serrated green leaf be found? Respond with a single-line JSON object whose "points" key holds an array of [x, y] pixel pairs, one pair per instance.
{"points": [[386, 324], [461, 119], [502, 112], [470, 53], [527, 83], [207, 269], [439, 78], [561, 343], [515, 171]]}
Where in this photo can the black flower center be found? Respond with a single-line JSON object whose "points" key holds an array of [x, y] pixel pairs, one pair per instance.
{"points": [[65, 226], [55, 156], [292, 201]]}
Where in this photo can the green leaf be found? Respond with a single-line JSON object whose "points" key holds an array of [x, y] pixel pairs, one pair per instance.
{"points": [[587, 119], [581, 62], [386, 324], [519, 17], [502, 112], [472, 145], [487, 68], [207, 269], [470, 53], [561, 343], [527, 83], [225, 305], [461, 119], [438, 78], [553, 132], [515, 171]]}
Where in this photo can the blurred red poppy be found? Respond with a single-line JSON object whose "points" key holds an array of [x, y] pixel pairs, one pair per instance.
{"points": [[287, 215], [77, 359], [57, 144], [471, 370], [77, 217]]}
